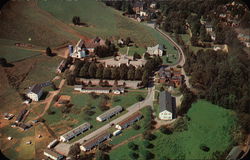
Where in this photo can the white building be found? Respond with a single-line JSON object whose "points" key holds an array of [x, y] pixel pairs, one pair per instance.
{"points": [[117, 132], [156, 50], [35, 92], [52, 155], [129, 121], [78, 51], [95, 141], [53, 144], [95, 90], [118, 90], [143, 13], [74, 132], [111, 112], [78, 87], [166, 106]]}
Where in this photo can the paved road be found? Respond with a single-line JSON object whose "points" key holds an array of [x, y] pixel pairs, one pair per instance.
{"points": [[182, 58], [63, 148]]}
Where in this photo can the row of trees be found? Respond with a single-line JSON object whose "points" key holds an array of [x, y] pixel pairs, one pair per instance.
{"points": [[92, 70]]}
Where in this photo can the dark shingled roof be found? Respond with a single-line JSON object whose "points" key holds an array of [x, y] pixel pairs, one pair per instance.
{"points": [[165, 101]]}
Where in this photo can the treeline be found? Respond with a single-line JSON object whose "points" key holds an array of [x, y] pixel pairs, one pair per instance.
{"points": [[223, 79], [105, 51], [93, 69]]}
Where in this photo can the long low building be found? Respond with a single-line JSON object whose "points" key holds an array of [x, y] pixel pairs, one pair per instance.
{"points": [[74, 132], [95, 141], [52, 155], [95, 90], [128, 121], [106, 115]]}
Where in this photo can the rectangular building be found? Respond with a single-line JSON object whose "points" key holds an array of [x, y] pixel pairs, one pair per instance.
{"points": [[52, 155], [96, 90], [106, 115], [95, 141], [166, 105], [128, 121], [74, 132]]}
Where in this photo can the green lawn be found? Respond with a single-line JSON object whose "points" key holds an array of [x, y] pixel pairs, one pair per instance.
{"points": [[209, 125], [128, 99], [77, 115], [130, 132], [44, 70], [31, 23], [12, 53], [132, 50]]}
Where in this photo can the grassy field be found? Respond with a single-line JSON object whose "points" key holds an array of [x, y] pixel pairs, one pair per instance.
{"points": [[31, 23], [128, 99], [209, 125], [12, 53], [77, 114]]}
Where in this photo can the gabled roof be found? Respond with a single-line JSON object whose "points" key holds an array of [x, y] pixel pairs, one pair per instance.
{"points": [[110, 112], [52, 153], [130, 118], [158, 46], [35, 89], [95, 139], [165, 102]]}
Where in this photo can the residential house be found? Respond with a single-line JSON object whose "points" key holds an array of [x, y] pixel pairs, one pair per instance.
{"points": [[138, 6], [209, 28], [95, 141], [93, 43], [153, 5], [78, 51], [21, 115], [129, 121], [166, 106], [140, 18], [84, 48], [61, 66], [74, 132], [156, 50], [52, 154], [143, 13], [111, 112], [35, 92]]}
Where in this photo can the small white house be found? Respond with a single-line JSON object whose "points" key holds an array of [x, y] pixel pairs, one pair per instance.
{"points": [[52, 155], [143, 13], [156, 50], [35, 92], [166, 106]]}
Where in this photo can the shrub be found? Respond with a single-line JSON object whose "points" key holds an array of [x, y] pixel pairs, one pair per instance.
{"points": [[132, 146], [133, 155]]}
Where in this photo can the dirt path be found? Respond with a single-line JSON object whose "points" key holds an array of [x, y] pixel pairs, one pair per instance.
{"points": [[126, 141]]}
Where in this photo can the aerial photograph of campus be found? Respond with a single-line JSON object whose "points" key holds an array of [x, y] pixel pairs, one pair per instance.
{"points": [[124, 80]]}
